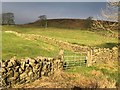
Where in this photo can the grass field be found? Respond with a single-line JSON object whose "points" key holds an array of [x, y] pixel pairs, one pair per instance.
{"points": [[13, 45], [74, 36], [16, 46]]}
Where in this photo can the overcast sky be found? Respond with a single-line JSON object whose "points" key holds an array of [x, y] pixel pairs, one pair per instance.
{"points": [[56, 0], [26, 12]]}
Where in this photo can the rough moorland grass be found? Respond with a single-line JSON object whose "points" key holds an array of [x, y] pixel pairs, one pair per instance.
{"points": [[74, 36], [16, 46]]}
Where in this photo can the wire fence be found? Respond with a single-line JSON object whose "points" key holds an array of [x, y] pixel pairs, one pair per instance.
{"points": [[75, 59]]}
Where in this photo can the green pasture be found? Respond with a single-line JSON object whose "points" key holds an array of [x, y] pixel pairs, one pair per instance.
{"points": [[13, 45], [74, 36], [16, 46]]}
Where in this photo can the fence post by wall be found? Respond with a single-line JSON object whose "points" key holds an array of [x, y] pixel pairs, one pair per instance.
{"points": [[61, 54], [89, 55]]}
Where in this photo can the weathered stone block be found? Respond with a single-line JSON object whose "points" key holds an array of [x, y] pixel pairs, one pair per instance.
{"points": [[10, 64]]}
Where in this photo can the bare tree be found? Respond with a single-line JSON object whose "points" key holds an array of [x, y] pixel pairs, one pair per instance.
{"points": [[108, 19], [43, 19]]}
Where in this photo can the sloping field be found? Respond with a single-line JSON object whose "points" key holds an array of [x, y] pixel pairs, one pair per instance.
{"points": [[102, 76], [20, 47], [13, 45], [74, 36]]}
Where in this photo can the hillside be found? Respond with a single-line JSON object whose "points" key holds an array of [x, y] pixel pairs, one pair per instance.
{"points": [[66, 23], [34, 41], [62, 23], [81, 24], [38, 47]]}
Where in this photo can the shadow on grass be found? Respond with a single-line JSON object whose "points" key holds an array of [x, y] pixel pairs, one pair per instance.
{"points": [[105, 45], [78, 44], [108, 45]]}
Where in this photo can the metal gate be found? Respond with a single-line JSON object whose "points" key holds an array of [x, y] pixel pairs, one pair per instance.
{"points": [[75, 59]]}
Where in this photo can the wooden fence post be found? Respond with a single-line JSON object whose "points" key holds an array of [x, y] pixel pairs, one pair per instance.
{"points": [[89, 59]]}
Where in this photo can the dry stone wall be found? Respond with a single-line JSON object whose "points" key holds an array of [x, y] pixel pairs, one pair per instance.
{"points": [[102, 55], [26, 70], [94, 55]]}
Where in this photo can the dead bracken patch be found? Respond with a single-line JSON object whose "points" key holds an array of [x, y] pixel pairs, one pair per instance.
{"points": [[96, 73], [66, 80]]}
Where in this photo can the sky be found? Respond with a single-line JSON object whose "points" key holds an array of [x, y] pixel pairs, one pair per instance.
{"points": [[26, 12], [55, 0]]}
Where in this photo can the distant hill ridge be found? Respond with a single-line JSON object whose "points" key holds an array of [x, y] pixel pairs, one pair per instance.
{"points": [[64, 23]]}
